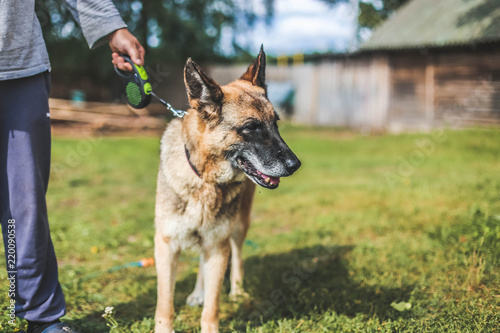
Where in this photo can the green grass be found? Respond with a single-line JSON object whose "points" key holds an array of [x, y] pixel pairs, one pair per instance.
{"points": [[367, 221]]}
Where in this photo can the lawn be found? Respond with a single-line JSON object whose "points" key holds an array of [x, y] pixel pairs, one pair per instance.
{"points": [[389, 233]]}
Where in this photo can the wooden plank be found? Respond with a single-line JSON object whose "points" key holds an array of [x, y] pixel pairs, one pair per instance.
{"points": [[110, 120], [429, 88], [93, 107]]}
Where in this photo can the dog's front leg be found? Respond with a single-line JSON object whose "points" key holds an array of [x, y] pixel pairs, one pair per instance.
{"points": [[237, 239], [196, 297], [214, 267], [166, 266], [238, 235]]}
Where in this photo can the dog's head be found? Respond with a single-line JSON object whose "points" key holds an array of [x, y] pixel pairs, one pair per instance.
{"points": [[240, 122]]}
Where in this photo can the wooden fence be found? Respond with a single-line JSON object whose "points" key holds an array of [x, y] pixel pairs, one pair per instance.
{"points": [[349, 92], [394, 91]]}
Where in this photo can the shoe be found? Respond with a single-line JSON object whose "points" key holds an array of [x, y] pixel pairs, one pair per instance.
{"points": [[59, 328]]}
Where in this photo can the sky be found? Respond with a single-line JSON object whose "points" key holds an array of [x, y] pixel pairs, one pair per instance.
{"points": [[305, 26]]}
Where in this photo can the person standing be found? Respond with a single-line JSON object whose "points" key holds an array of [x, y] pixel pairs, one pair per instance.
{"points": [[25, 143]]}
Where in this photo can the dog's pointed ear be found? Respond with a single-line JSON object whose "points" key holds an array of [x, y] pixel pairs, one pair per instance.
{"points": [[204, 94], [256, 72]]}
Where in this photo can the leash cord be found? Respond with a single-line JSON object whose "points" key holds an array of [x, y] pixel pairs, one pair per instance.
{"points": [[177, 113]]}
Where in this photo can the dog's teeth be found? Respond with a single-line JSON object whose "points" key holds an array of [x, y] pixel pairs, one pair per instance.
{"points": [[267, 179]]}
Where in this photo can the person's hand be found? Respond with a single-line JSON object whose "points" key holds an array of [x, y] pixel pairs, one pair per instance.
{"points": [[122, 41]]}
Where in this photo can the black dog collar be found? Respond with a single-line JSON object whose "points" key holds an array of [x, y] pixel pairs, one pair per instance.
{"points": [[191, 164]]}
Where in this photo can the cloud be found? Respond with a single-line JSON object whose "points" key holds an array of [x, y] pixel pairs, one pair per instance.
{"points": [[304, 26]]}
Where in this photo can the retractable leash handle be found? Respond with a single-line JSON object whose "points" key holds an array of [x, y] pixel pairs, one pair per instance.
{"points": [[138, 89]]}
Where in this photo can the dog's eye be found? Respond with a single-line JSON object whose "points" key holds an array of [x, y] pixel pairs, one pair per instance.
{"points": [[253, 126]]}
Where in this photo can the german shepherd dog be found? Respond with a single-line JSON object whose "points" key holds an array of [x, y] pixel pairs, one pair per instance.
{"points": [[209, 163]]}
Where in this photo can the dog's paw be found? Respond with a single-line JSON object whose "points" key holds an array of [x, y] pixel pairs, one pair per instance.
{"points": [[195, 299]]}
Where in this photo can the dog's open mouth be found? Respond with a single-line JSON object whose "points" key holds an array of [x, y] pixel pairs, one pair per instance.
{"points": [[257, 176]]}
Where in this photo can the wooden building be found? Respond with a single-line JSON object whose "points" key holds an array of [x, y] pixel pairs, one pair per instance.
{"points": [[433, 63], [443, 61]]}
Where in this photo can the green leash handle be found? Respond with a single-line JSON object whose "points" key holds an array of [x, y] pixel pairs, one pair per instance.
{"points": [[138, 89]]}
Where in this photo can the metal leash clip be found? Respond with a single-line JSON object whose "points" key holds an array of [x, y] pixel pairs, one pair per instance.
{"points": [[177, 113]]}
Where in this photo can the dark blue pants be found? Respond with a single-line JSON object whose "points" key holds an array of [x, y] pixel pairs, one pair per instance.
{"points": [[24, 175]]}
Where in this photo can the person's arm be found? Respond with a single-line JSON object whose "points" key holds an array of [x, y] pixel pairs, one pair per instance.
{"points": [[100, 21]]}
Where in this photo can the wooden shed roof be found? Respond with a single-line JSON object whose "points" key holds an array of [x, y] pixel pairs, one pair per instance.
{"points": [[438, 23]]}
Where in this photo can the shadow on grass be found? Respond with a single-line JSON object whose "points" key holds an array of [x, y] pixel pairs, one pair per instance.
{"points": [[308, 281], [295, 284]]}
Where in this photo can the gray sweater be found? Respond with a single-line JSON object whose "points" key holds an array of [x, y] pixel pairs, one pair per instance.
{"points": [[22, 48]]}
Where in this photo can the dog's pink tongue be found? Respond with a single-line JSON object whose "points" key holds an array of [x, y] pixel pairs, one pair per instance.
{"points": [[269, 179], [274, 180]]}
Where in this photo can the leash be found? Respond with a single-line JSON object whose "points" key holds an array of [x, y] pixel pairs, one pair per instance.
{"points": [[138, 90], [146, 262], [188, 156]]}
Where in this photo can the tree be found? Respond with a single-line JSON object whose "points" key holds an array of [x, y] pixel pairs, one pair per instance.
{"points": [[372, 12], [372, 15], [170, 30]]}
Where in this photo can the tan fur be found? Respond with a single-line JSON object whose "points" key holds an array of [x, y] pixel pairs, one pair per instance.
{"points": [[211, 213]]}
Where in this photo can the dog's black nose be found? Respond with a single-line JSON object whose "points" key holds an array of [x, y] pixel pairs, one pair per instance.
{"points": [[293, 163]]}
